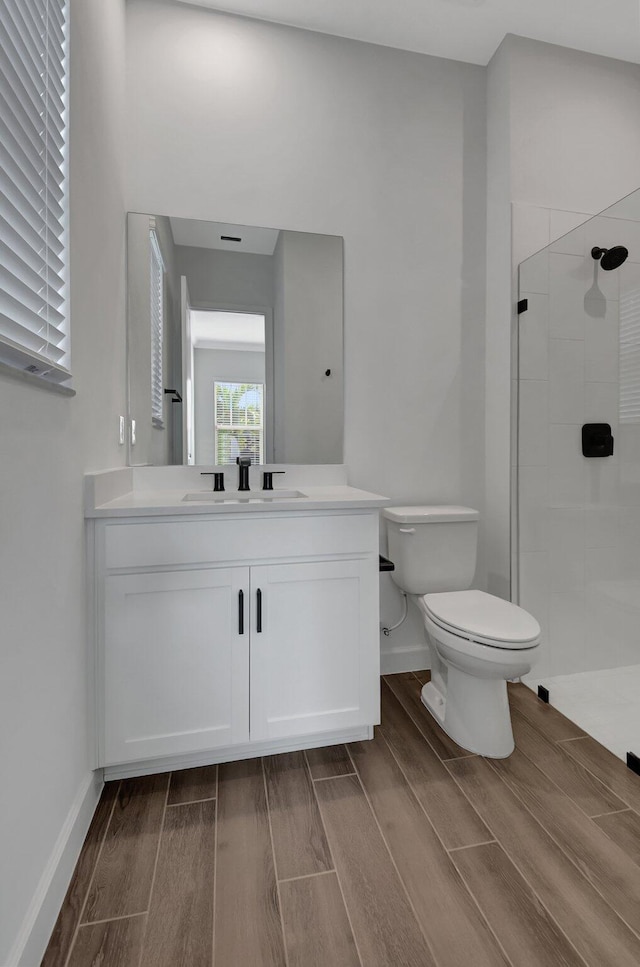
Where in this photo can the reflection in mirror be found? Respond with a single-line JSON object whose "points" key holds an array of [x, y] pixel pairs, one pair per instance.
{"points": [[234, 339]]}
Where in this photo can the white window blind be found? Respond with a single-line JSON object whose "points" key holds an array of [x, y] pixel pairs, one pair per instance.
{"points": [[157, 330], [34, 333], [239, 419], [630, 356]]}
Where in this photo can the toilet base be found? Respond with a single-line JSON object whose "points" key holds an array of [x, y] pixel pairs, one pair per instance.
{"points": [[474, 712]]}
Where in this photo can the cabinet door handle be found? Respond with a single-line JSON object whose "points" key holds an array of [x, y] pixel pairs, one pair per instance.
{"points": [[240, 612], [258, 610]]}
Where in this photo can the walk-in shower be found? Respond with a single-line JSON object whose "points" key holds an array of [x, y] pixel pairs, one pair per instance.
{"points": [[576, 522]]}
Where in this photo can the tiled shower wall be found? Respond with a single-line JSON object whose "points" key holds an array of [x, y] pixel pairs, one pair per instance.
{"points": [[577, 535]]}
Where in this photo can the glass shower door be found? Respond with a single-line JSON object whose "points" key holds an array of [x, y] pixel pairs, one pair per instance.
{"points": [[578, 471]]}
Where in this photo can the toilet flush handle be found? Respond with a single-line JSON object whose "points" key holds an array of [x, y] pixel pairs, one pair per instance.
{"points": [[407, 530]]}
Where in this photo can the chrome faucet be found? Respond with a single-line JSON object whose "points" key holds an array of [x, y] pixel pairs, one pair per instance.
{"points": [[243, 472]]}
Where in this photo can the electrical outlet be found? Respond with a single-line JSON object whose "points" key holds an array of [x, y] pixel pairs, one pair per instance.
{"points": [[133, 433], [121, 430]]}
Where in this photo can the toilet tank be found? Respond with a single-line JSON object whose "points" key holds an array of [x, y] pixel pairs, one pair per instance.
{"points": [[433, 548]]}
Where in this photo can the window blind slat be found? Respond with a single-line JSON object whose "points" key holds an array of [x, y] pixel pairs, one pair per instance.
{"points": [[21, 148], [35, 29], [31, 314], [33, 341], [156, 276], [41, 10], [11, 108], [33, 318], [28, 85], [36, 280], [36, 49], [23, 192], [630, 356], [32, 250], [32, 224], [32, 299], [53, 14], [33, 361]]}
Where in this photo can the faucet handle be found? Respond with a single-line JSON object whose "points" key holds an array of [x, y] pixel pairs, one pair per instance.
{"points": [[267, 478], [218, 479]]}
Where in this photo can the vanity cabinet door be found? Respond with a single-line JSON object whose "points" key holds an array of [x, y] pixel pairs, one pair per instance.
{"points": [[176, 663], [314, 648]]}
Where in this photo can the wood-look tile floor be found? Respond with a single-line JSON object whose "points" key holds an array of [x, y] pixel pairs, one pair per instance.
{"points": [[405, 851]]}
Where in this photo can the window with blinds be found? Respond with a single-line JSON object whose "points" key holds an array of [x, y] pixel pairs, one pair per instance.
{"points": [[630, 356], [34, 333], [239, 418], [156, 267]]}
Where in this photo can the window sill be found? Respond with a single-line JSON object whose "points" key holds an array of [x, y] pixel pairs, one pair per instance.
{"points": [[36, 381]]}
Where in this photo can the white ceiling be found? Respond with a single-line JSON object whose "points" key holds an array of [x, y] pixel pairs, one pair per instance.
{"points": [[468, 30], [200, 234]]}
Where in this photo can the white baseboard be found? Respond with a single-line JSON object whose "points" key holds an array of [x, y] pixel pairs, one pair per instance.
{"points": [[42, 914], [410, 659], [232, 753]]}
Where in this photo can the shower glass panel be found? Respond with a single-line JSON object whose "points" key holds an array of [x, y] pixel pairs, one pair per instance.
{"points": [[578, 517]]}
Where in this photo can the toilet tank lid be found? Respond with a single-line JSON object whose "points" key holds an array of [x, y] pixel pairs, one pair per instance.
{"points": [[430, 515]]}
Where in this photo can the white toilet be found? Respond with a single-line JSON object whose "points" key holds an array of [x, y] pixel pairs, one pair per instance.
{"points": [[477, 641]]}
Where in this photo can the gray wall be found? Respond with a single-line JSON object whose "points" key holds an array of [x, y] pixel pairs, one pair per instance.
{"points": [[385, 148], [308, 331], [48, 442]]}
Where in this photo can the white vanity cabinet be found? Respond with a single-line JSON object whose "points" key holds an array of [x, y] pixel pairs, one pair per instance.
{"points": [[176, 667], [221, 638]]}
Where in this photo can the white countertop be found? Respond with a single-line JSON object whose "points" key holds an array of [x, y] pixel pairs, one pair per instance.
{"points": [[129, 500]]}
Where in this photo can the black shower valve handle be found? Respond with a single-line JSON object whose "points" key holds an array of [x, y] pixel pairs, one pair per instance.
{"points": [[597, 440]]}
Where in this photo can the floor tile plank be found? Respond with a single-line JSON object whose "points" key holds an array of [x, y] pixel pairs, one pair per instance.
{"points": [[599, 935], [624, 829], [180, 919], [192, 785], [384, 925], [529, 935], [549, 720], [455, 820], [122, 880], [62, 937], [591, 795], [613, 874], [607, 767], [407, 689], [330, 761], [423, 676], [247, 928], [114, 943], [299, 840], [450, 920], [316, 926]]}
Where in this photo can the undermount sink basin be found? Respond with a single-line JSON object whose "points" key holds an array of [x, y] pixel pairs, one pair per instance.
{"points": [[243, 496]]}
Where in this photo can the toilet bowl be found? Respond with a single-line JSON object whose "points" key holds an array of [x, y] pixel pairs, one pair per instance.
{"points": [[477, 642]]}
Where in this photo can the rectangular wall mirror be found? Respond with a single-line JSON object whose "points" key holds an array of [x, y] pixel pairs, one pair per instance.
{"points": [[234, 343]]}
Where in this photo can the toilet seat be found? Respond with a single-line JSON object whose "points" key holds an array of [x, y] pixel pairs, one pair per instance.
{"points": [[482, 618]]}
